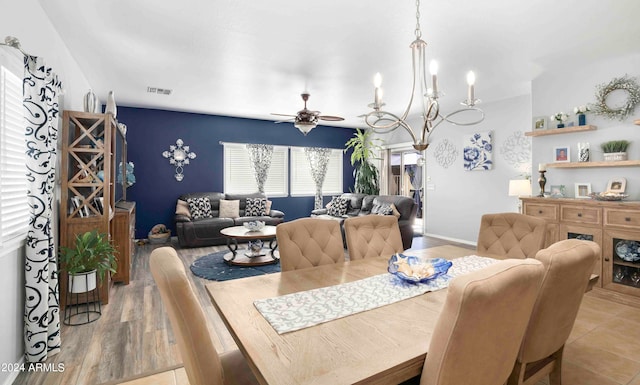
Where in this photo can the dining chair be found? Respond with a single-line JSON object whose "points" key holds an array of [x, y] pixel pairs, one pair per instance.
{"points": [[478, 333], [202, 362], [372, 236], [568, 265], [510, 235], [309, 242]]}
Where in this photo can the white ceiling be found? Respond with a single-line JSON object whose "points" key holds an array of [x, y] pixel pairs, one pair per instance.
{"points": [[251, 58]]}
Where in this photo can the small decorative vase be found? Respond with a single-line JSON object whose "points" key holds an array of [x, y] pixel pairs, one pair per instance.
{"points": [[583, 152], [255, 246], [111, 105], [561, 125], [90, 102], [582, 120]]}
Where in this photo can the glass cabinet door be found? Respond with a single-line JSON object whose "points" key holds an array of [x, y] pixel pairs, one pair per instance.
{"points": [[588, 234], [621, 252]]}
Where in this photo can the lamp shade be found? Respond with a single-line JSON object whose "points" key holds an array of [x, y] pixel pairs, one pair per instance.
{"points": [[519, 187], [304, 127]]}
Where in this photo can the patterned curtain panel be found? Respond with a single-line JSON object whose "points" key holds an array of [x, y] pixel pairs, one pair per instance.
{"points": [[318, 160], [42, 319], [260, 160]]}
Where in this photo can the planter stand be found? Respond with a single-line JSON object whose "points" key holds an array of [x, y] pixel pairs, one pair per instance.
{"points": [[82, 307]]}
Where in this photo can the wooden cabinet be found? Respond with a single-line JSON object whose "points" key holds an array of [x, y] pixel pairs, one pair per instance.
{"points": [[615, 226], [123, 233]]}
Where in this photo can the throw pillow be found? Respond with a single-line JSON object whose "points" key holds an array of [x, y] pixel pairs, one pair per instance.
{"points": [[256, 207], [229, 209], [269, 207], [182, 208], [396, 213], [199, 207], [382, 209], [338, 207]]}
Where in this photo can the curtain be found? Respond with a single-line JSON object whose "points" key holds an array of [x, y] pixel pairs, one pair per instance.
{"points": [[318, 160], [415, 175], [41, 88], [260, 160]]}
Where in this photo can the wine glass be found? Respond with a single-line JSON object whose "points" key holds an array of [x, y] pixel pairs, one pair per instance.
{"points": [[618, 274], [635, 277]]}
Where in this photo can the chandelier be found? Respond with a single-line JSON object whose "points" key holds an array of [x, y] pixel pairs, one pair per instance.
{"points": [[383, 122]]}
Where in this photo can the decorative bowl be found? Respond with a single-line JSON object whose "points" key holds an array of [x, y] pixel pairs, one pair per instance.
{"points": [[605, 196], [417, 270], [253, 225], [628, 250]]}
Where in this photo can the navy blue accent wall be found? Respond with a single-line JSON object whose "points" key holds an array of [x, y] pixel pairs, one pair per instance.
{"points": [[150, 132]]}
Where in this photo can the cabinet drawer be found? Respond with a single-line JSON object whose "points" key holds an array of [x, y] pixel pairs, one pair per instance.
{"points": [[581, 214], [621, 217], [540, 210]]}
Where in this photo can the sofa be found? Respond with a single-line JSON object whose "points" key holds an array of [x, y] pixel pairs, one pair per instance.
{"points": [[362, 204], [195, 230]]}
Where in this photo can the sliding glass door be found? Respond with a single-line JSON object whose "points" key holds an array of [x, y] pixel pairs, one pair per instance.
{"points": [[405, 173]]}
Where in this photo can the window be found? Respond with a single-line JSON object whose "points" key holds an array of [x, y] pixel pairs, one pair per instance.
{"points": [[302, 183], [238, 175], [14, 209]]}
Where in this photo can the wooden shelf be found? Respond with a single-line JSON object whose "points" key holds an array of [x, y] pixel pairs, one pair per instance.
{"points": [[637, 121], [620, 163], [565, 130]]}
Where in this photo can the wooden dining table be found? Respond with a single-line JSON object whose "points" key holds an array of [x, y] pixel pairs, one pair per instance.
{"points": [[385, 345]]}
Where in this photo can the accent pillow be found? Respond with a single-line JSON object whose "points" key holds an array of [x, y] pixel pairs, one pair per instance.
{"points": [[382, 209], [256, 207], [229, 209], [182, 208], [199, 207], [269, 203], [396, 213], [338, 206]]}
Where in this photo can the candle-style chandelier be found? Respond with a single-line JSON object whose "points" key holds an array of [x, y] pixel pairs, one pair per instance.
{"points": [[382, 121]]}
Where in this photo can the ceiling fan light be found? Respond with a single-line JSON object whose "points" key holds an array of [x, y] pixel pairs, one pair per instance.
{"points": [[304, 127]]}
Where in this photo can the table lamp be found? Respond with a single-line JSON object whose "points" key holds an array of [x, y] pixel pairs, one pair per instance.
{"points": [[519, 187]]}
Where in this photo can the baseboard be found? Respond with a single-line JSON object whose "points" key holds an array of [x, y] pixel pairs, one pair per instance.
{"points": [[464, 242], [14, 374]]}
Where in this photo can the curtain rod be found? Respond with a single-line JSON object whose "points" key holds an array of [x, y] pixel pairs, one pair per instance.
{"points": [[280, 145], [13, 42]]}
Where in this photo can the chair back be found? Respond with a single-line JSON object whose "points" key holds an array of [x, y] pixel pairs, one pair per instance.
{"points": [[510, 235], [477, 335], [372, 236], [309, 242], [201, 360]]}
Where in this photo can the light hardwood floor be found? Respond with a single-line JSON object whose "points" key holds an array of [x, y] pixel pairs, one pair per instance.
{"points": [[133, 336]]}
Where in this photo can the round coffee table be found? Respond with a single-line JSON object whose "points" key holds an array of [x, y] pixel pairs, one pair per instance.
{"points": [[255, 254]]}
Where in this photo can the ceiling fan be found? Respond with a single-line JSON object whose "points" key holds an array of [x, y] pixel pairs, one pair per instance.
{"points": [[306, 120]]}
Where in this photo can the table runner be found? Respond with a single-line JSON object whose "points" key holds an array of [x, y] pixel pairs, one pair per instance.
{"points": [[296, 311]]}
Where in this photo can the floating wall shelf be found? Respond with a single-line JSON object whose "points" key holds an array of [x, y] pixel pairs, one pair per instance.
{"points": [[621, 163], [565, 130]]}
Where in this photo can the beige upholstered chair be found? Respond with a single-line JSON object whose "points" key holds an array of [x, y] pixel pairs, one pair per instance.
{"points": [[372, 236], [477, 336], [309, 242], [568, 265], [510, 235], [201, 361]]}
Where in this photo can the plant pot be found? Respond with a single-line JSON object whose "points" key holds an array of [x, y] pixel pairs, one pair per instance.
{"points": [[82, 282], [615, 156]]}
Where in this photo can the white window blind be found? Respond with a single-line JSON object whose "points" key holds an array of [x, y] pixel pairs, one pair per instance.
{"points": [[14, 209], [302, 183], [238, 175]]}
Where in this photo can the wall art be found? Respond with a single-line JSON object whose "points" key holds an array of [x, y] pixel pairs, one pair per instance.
{"points": [[516, 150], [179, 155], [477, 151], [445, 153]]}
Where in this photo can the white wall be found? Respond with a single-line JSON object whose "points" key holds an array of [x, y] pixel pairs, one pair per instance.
{"points": [[26, 20]]}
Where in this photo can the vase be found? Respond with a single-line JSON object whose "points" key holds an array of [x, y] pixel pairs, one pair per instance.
{"points": [[82, 282], [582, 120], [560, 125], [111, 105], [90, 102], [583, 152]]}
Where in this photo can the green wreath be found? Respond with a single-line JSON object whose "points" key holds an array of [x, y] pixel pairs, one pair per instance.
{"points": [[624, 83]]}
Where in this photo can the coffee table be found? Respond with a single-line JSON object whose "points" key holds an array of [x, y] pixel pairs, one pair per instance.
{"points": [[255, 254]]}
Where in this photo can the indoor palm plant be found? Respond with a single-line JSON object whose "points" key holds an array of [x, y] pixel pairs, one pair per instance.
{"points": [[365, 173], [93, 254], [615, 150]]}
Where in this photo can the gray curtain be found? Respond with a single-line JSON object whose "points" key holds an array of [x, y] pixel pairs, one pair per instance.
{"points": [[41, 89], [318, 160], [260, 160]]}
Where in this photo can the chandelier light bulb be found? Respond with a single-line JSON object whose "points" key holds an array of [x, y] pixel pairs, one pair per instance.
{"points": [[433, 67], [377, 80], [471, 78]]}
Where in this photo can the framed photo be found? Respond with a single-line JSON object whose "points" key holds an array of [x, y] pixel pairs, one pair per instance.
{"points": [[561, 154], [583, 190], [617, 185], [557, 191], [540, 123]]}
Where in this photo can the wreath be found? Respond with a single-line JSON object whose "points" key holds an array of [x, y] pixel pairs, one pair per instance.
{"points": [[625, 83]]}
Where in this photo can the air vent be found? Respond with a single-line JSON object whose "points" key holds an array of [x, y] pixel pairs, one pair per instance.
{"points": [[160, 91]]}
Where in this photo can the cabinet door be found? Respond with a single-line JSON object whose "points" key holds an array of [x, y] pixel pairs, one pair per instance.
{"points": [[588, 234], [621, 261]]}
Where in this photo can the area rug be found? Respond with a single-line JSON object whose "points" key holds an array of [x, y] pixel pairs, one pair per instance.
{"points": [[213, 267]]}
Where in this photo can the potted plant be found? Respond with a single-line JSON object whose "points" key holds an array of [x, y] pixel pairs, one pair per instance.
{"points": [[366, 173], [93, 255], [615, 150], [560, 118]]}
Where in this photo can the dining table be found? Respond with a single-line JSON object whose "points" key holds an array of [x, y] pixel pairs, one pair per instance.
{"points": [[383, 345]]}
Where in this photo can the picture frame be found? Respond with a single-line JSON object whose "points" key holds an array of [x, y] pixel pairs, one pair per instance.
{"points": [[562, 154], [539, 123], [583, 190], [557, 191], [617, 185]]}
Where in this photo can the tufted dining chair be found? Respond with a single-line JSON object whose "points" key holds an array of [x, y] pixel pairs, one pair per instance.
{"points": [[568, 265], [478, 333], [510, 235], [309, 242], [372, 236], [202, 363]]}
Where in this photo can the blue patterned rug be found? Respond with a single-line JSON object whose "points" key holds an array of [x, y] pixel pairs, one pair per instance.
{"points": [[213, 267]]}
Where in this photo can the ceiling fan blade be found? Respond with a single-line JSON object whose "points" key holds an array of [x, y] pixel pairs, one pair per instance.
{"points": [[293, 116], [331, 118]]}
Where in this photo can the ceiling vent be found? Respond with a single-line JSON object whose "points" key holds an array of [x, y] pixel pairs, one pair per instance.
{"points": [[159, 91]]}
